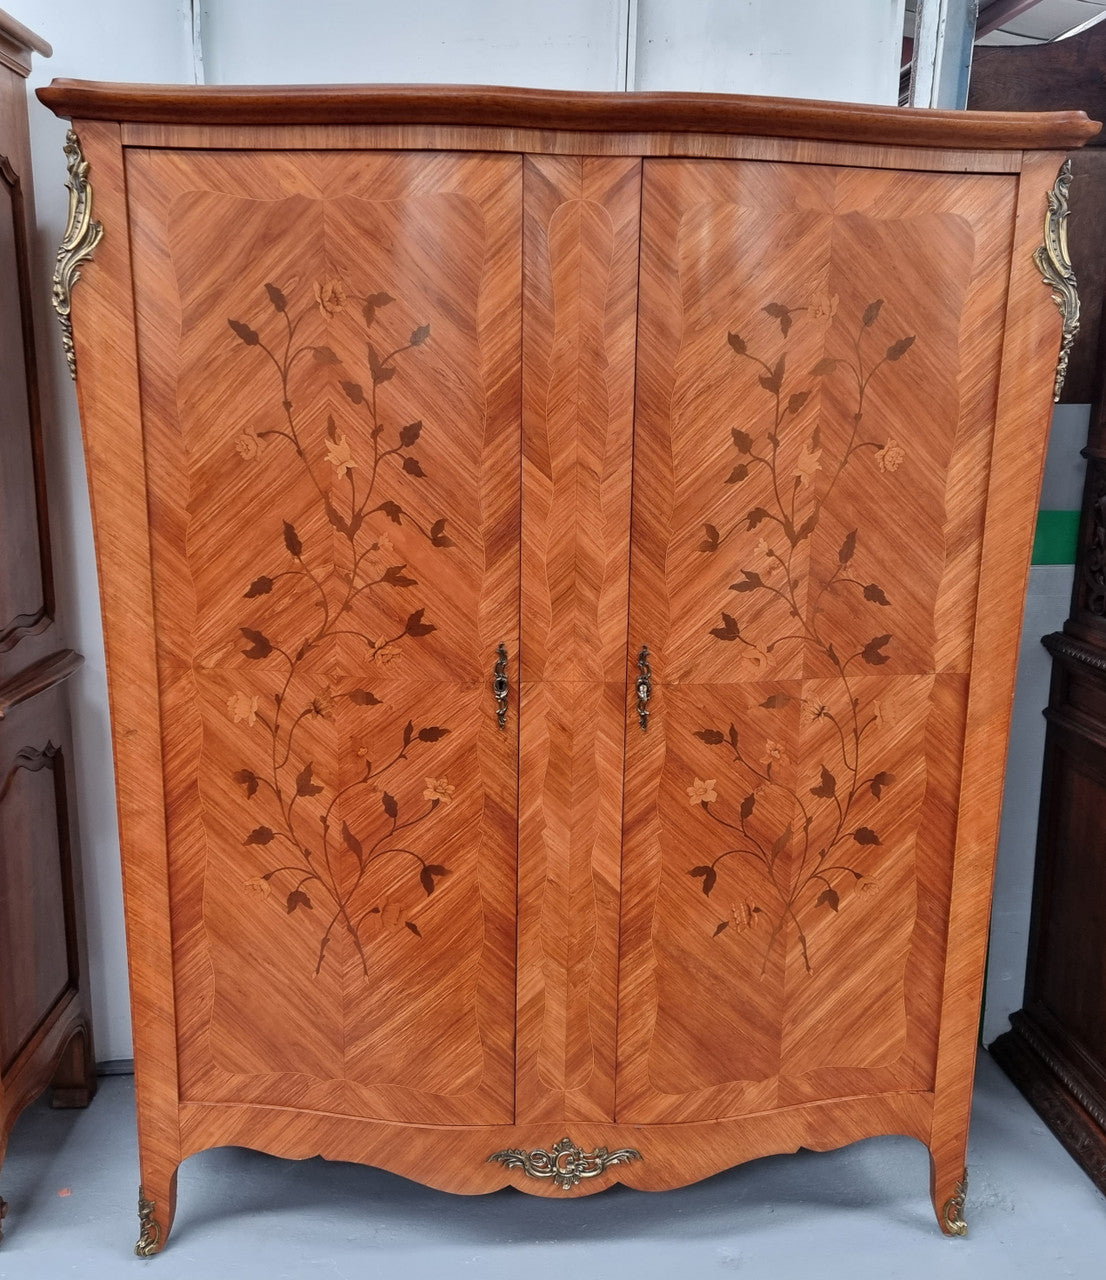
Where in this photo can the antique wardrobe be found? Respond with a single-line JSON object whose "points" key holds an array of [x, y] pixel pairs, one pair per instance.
{"points": [[562, 559], [45, 1032]]}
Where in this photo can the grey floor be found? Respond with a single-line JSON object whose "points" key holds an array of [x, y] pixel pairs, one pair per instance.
{"points": [[70, 1179]]}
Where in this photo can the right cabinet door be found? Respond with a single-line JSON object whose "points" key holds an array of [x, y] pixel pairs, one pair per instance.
{"points": [[817, 368]]}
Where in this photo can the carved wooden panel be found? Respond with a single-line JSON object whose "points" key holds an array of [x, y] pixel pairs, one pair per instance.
{"points": [[579, 309], [26, 592], [332, 435], [809, 487], [38, 961]]}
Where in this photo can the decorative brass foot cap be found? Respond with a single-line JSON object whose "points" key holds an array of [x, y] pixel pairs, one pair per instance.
{"points": [[149, 1233], [954, 1210]]}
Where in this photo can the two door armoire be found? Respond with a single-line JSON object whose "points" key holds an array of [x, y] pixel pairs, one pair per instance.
{"points": [[562, 559]]}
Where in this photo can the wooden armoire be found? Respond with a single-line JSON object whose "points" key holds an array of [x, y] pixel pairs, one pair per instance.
{"points": [[562, 560], [45, 1036]]}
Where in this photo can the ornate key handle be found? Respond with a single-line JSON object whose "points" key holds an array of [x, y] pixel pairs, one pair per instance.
{"points": [[500, 686], [644, 687]]}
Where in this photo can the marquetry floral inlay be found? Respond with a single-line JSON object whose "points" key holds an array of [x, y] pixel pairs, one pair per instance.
{"points": [[319, 860], [806, 863]]}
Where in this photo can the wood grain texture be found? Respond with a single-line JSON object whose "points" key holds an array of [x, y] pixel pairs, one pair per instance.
{"points": [[769, 449], [331, 654], [810, 646], [497, 106], [579, 315]]}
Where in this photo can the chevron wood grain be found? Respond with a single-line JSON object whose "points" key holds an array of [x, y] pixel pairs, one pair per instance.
{"points": [[360, 408]]}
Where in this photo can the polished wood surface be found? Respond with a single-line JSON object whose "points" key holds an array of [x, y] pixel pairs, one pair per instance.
{"points": [[769, 418], [502, 107], [45, 1036]]}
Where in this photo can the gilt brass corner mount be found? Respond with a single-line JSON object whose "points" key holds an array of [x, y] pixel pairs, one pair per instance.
{"points": [[567, 1164], [82, 235], [1054, 264]]}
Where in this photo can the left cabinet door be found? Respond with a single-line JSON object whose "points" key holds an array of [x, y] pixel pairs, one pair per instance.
{"points": [[330, 353]]}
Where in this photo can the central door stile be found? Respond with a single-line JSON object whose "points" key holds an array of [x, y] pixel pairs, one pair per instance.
{"points": [[580, 260]]}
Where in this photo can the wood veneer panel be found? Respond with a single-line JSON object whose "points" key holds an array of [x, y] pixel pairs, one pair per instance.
{"points": [[332, 439], [805, 577], [579, 309], [502, 107]]}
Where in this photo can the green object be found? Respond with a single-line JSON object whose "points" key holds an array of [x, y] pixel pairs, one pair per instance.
{"points": [[1057, 537]]}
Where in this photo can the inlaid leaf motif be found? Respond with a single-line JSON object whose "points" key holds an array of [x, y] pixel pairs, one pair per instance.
{"points": [[709, 875], [249, 780], [350, 469], [429, 874], [872, 651], [249, 336], [713, 737], [410, 924], [728, 630], [415, 625], [827, 787], [871, 313], [722, 924], [305, 782], [809, 857], [259, 644], [291, 540]]}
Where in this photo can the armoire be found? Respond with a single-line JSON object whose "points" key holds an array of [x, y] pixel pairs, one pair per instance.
{"points": [[45, 1026], [562, 559]]}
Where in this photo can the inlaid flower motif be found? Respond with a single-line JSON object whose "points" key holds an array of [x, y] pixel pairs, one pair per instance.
{"points": [[438, 789], [891, 456], [816, 710], [339, 455], [763, 549], [701, 792], [808, 463], [243, 708], [744, 914], [868, 884], [259, 885], [248, 445], [751, 662], [322, 704], [330, 294], [387, 653], [824, 307], [774, 753]]}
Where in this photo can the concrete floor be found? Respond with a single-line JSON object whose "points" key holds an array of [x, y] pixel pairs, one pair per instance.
{"points": [[862, 1212]]}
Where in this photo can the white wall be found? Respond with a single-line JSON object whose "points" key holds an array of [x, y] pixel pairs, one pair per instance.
{"points": [[801, 48]]}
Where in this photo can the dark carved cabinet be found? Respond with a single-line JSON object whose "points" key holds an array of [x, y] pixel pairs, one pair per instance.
{"points": [[45, 1036], [1055, 1050]]}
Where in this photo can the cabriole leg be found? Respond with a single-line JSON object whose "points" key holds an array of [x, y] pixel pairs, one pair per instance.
{"points": [[949, 1189], [157, 1204]]}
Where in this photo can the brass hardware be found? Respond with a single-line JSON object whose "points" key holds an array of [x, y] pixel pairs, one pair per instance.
{"points": [[566, 1164], [644, 687], [500, 686], [954, 1210], [1054, 264], [82, 235], [149, 1231]]}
